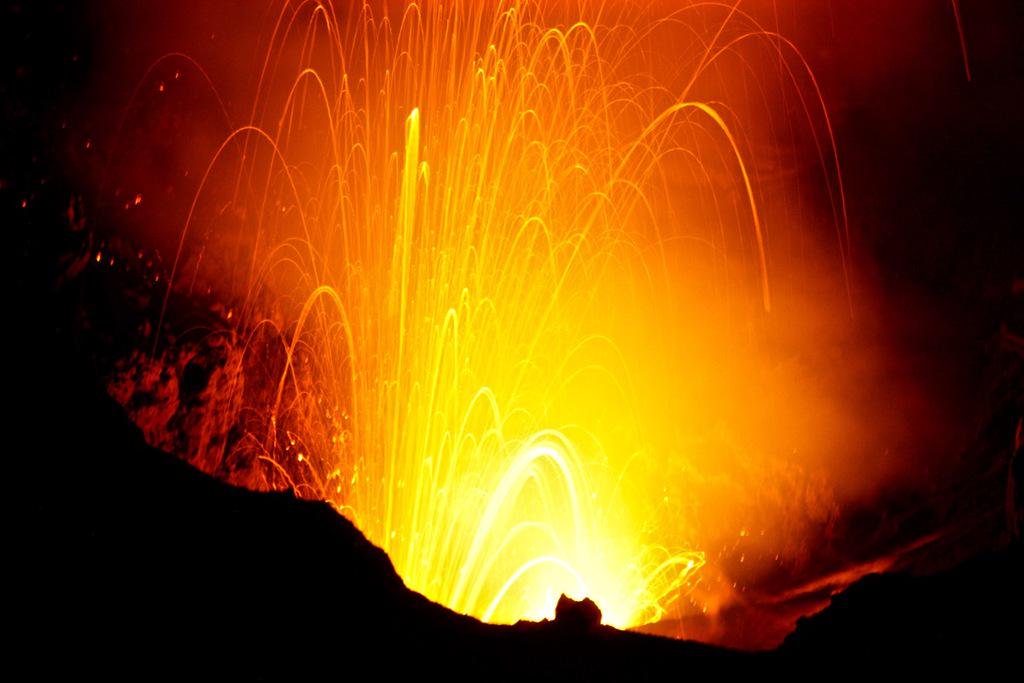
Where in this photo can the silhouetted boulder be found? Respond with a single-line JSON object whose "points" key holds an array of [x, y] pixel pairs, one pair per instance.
{"points": [[577, 615]]}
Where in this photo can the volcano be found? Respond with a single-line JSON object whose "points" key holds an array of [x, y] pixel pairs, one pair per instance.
{"points": [[514, 339]]}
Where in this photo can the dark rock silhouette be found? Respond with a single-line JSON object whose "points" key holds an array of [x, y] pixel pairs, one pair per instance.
{"points": [[970, 613], [577, 615], [131, 562]]}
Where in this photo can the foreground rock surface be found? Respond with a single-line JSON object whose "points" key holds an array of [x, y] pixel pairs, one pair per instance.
{"points": [[131, 558]]}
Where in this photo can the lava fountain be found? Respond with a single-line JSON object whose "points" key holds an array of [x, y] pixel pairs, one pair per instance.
{"points": [[482, 270]]}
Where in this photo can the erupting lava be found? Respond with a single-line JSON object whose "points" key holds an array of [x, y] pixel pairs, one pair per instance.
{"points": [[490, 273]]}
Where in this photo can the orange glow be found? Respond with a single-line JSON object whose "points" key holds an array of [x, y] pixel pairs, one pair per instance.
{"points": [[499, 279]]}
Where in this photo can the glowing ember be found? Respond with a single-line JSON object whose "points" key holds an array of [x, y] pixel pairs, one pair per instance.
{"points": [[489, 283]]}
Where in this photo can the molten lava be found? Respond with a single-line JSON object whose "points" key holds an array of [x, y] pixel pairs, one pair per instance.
{"points": [[501, 282]]}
